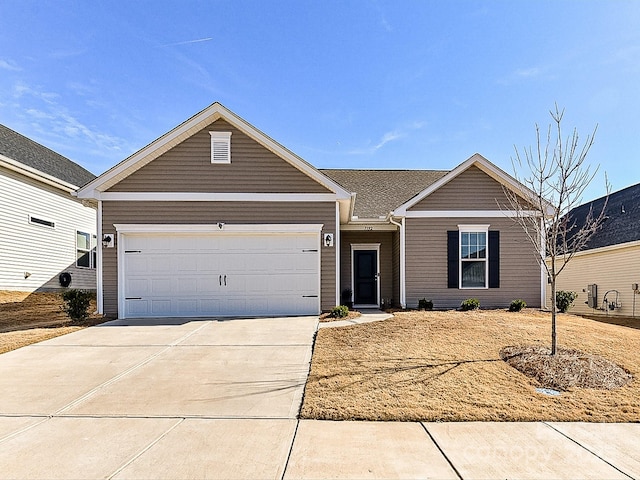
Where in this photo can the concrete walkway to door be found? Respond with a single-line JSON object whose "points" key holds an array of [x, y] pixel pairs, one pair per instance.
{"points": [[203, 399]]}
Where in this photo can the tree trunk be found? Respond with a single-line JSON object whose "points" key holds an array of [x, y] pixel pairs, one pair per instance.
{"points": [[554, 310]]}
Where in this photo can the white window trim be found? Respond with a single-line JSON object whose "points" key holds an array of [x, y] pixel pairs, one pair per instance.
{"points": [[220, 147], [93, 244], [468, 229]]}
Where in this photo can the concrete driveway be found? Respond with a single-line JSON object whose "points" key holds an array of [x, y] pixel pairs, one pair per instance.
{"points": [[218, 399], [126, 399]]}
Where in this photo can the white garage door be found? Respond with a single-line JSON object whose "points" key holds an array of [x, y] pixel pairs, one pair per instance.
{"points": [[219, 274]]}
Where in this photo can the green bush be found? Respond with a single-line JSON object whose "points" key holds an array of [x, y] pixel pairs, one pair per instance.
{"points": [[424, 304], [340, 311], [517, 305], [564, 300], [470, 304], [76, 303]]}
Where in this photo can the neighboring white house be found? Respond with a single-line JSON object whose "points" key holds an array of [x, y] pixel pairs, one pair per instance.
{"points": [[45, 232], [606, 275]]}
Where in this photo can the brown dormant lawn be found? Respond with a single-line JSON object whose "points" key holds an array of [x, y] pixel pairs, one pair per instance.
{"points": [[446, 366], [27, 318]]}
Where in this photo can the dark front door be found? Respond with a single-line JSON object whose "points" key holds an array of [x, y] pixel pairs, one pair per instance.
{"points": [[365, 273]]}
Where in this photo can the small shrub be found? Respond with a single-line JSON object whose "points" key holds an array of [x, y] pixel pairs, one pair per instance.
{"points": [[76, 303], [424, 304], [564, 300], [340, 311], [470, 304], [517, 305]]}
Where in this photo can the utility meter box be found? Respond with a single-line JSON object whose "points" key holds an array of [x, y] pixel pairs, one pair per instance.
{"points": [[592, 295]]}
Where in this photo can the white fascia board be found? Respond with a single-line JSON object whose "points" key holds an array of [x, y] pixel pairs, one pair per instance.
{"points": [[214, 197], [468, 213], [31, 172], [608, 248], [187, 129], [224, 228], [368, 227]]}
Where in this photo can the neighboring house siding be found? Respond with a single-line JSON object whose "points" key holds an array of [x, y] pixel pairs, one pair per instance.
{"points": [[610, 268], [41, 251], [426, 269], [385, 239], [471, 190], [187, 168], [209, 213]]}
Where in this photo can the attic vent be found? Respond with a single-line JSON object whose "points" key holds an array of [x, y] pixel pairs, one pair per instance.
{"points": [[41, 221], [220, 147]]}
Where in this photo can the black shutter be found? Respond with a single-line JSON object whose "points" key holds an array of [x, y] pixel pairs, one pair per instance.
{"points": [[494, 259], [453, 251]]}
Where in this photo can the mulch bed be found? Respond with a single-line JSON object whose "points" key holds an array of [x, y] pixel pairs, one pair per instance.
{"points": [[568, 368]]}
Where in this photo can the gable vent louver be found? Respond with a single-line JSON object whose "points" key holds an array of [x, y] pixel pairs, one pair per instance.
{"points": [[220, 147]]}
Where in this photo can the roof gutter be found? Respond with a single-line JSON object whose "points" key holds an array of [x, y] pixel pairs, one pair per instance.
{"points": [[36, 174]]}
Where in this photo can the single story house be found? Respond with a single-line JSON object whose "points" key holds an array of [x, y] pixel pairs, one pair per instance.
{"points": [[215, 218], [606, 274], [47, 235]]}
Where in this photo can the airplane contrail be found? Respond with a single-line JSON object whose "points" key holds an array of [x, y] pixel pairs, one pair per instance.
{"points": [[188, 41]]}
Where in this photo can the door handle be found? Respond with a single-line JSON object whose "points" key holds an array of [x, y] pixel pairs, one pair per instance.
{"points": [[220, 279], [225, 280]]}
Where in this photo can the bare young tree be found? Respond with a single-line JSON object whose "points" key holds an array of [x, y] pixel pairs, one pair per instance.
{"points": [[557, 180]]}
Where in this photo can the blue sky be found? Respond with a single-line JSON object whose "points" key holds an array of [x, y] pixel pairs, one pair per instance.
{"points": [[344, 84]]}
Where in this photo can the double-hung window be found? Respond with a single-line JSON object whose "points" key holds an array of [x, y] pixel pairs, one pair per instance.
{"points": [[474, 264], [85, 250]]}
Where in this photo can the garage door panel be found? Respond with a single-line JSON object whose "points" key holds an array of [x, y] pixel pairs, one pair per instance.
{"points": [[137, 287], [137, 264], [161, 308], [184, 275]]}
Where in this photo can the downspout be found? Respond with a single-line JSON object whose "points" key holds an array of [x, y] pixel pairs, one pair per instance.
{"points": [[403, 299], [99, 247], [337, 247]]}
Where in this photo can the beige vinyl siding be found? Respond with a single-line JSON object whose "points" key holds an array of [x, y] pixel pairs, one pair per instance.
{"points": [[187, 168], [426, 265], [385, 239], [471, 190], [41, 251], [610, 268], [213, 212]]}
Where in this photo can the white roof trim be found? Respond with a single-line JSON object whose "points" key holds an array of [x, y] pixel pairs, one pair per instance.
{"points": [[36, 174], [479, 161], [189, 128], [214, 197], [220, 228]]}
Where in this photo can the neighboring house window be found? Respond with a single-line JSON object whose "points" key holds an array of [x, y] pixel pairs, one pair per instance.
{"points": [[473, 257], [220, 147], [42, 222], [85, 250]]}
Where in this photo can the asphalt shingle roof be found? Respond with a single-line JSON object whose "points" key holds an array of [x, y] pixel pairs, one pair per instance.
{"points": [[24, 150], [622, 222], [378, 192]]}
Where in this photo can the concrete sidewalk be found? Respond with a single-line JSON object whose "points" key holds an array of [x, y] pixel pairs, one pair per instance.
{"points": [[200, 399]]}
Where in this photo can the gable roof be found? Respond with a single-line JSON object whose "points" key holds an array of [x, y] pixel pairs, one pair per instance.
{"points": [[20, 152], [190, 127], [622, 217], [379, 192], [483, 164]]}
